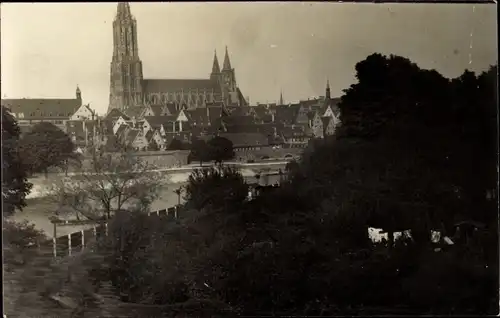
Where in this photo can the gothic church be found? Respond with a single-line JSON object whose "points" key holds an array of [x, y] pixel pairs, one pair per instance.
{"points": [[128, 87]]}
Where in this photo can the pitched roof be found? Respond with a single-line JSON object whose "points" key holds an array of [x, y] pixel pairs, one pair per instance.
{"points": [[131, 135], [285, 114], [290, 132], [157, 121], [114, 114], [170, 109], [239, 120], [42, 108], [135, 111], [204, 116], [326, 121], [157, 109], [177, 85], [121, 131], [149, 135], [246, 139]]}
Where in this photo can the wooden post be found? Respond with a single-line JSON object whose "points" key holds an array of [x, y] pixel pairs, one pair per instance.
{"points": [[69, 244], [54, 246], [158, 212], [83, 239], [95, 231], [106, 227], [55, 229]]}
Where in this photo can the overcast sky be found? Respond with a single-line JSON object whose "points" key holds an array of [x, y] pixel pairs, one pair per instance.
{"points": [[47, 49]]}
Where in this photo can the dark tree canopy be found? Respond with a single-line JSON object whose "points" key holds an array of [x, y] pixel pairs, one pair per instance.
{"points": [[215, 187], [199, 151], [15, 186], [220, 149], [176, 144], [415, 152], [46, 146]]}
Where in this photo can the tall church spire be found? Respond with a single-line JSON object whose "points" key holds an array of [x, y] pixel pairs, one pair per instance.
{"points": [[281, 97], [126, 67], [123, 11], [327, 89], [215, 67], [227, 63]]}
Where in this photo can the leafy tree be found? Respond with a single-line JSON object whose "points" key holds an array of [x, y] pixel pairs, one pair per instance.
{"points": [[220, 149], [15, 185], [46, 146], [215, 188], [200, 151], [20, 242], [110, 182]]}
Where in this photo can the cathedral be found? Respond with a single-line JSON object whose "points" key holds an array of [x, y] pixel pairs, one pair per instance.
{"points": [[129, 88]]}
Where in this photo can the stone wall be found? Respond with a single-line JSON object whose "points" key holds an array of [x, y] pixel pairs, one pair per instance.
{"points": [[267, 153], [165, 159], [160, 159]]}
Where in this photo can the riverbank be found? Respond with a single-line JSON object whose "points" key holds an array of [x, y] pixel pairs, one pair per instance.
{"points": [[42, 185]]}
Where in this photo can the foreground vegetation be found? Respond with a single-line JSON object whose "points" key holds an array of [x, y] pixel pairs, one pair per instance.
{"points": [[416, 152]]}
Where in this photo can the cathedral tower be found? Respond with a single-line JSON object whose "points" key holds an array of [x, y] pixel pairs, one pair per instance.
{"points": [[126, 67]]}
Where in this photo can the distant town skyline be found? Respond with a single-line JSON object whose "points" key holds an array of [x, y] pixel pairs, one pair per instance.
{"points": [[49, 49]]}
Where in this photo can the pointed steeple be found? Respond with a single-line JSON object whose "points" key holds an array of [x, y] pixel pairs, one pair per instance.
{"points": [[227, 63], [281, 97], [327, 89], [123, 11], [215, 67]]}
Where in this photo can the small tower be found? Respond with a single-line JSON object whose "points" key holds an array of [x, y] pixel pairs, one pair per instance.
{"points": [[215, 75], [281, 98], [327, 96], [79, 95]]}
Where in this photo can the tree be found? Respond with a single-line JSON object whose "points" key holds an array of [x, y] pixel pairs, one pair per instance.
{"points": [[220, 149], [46, 146], [20, 242], [110, 182], [199, 151], [15, 185], [176, 144], [215, 188]]}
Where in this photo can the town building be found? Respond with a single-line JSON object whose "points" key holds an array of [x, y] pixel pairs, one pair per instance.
{"points": [[29, 111]]}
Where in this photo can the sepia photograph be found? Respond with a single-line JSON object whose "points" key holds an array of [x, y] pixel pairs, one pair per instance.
{"points": [[191, 159]]}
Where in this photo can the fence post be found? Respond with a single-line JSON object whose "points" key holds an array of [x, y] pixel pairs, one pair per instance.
{"points": [[158, 212], [175, 211], [69, 244], [83, 239], [106, 228], [54, 246]]}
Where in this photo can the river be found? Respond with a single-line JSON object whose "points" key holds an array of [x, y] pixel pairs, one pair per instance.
{"points": [[40, 207]]}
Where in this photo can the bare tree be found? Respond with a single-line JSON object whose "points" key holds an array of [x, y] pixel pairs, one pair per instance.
{"points": [[109, 182]]}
